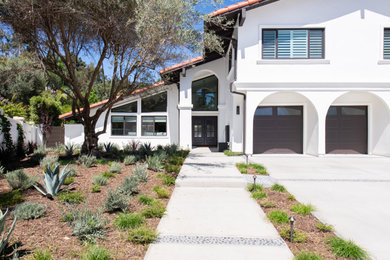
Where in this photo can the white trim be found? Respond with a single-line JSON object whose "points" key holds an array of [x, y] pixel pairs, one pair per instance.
{"points": [[384, 62], [205, 113]]}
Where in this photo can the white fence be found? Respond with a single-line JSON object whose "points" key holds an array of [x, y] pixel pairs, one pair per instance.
{"points": [[31, 133]]}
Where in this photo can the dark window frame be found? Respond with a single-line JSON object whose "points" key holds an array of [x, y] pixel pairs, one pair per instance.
{"points": [[295, 29], [216, 94], [154, 125], [127, 112], [123, 125], [148, 97]]}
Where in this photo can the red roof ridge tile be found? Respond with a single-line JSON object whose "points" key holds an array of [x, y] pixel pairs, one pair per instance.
{"points": [[233, 7], [185, 63]]}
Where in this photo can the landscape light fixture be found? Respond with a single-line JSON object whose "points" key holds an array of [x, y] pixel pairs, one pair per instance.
{"points": [[254, 182], [292, 220]]}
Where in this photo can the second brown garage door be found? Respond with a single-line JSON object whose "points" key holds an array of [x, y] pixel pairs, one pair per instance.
{"points": [[346, 130], [278, 129]]}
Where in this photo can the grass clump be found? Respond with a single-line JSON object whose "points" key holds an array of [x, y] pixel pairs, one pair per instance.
{"points": [[161, 192], [172, 168], [258, 195], [96, 188], [115, 167], [298, 236], [347, 249], [278, 217], [155, 210], [10, 198], [258, 187], [29, 210], [142, 235], [96, 253], [259, 169], [302, 209], [278, 188], [154, 163], [129, 160], [71, 197], [115, 201], [108, 175], [18, 179], [141, 172], [291, 197], [69, 180], [99, 180], [87, 160], [130, 185], [268, 204], [41, 255], [307, 256], [145, 199], [230, 153], [166, 179], [129, 220], [324, 227]]}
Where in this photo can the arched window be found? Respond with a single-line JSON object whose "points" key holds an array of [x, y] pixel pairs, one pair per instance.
{"points": [[205, 94]]}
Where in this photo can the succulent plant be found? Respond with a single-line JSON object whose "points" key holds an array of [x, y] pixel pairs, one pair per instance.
{"points": [[4, 238], [52, 180], [69, 148]]}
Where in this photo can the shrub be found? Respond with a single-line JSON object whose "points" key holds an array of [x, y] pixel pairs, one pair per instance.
{"points": [[307, 256], [145, 149], [161, 192], [69, 148], [96, 253], [291, 197], [2, 169], [278, 188], [129, 220], [101, 161], [48, 161], [142, 235], [41, 255], [87, 160], [154, 163], [115, 200], [258, 187], [324, 227], [10, 198], [278, 216], [298, 237], [86, 224], [108, 175], [39, 153], [155, 210], [230, 153], [18, 179], [130, 185], [140, 171], [258, 195], [171, 149], [115, 167], [52, 180], [110, 148], [99, 180], [175, 160], [172, 168], [302, 209], [72, 171], [95, 189], [167, 180], [69, 180], [131, 147], [347, 249], [145, 199], [129, 160], [29, 210], [31, 146], [268, 204], [71, 197], [4, 237]]}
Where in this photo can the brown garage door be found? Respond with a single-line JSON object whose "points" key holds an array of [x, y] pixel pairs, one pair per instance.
{"points": [[278, 130], [346, 130]]}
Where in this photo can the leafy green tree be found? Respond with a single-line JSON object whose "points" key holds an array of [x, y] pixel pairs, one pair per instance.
{"points": [[136, 36], [12, 109]]}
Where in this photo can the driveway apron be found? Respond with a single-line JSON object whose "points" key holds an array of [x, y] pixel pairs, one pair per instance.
{"points": [[211, 216]]}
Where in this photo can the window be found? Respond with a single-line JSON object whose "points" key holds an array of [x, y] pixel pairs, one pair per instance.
{"points": [[156, 103], [230, 57], [263, 111], [205, 94], [293, 44], [128, 108], [124, 125], [154, 125], [386, 48]]}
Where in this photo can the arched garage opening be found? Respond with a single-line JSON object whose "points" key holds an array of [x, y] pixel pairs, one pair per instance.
{"points": [[284, 123], [358, 123]]}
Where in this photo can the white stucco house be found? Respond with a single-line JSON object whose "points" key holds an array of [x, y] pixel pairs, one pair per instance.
{"points": [[299, 76]]}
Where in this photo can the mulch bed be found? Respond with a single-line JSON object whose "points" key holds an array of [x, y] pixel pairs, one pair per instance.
{"points": [[50, 233], [307, 224]]}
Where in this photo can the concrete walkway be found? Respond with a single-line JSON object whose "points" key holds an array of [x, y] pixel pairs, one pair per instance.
{"points": [[211, 216]]}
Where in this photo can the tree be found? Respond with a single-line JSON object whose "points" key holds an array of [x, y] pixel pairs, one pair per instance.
{"points": [[136, 36]]}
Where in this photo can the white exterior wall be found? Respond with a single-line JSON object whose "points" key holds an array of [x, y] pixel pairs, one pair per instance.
{"points": [[31, 133]]}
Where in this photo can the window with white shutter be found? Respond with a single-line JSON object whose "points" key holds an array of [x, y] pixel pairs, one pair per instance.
{"points": [[386, 48]]}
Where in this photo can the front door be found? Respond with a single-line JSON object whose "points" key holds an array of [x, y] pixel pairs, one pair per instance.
{"points": [[204, 130]]}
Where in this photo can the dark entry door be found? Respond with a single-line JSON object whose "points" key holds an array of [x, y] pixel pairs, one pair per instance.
{"points": [[204, 131], [346, 130], [278, 130]]}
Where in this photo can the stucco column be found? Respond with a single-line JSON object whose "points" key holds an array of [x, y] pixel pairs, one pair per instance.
{"points": [[185, 138]]}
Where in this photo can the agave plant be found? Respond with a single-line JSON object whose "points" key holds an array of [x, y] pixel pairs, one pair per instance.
{"points": [[4, 239], [69, 148], [108, 147], [52, 180]]}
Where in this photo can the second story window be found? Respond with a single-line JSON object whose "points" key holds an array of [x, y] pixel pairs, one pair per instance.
{"points": [[386, 48], [293, 43]]}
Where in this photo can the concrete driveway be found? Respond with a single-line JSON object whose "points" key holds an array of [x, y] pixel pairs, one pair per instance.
{"points": [[350, 192]]}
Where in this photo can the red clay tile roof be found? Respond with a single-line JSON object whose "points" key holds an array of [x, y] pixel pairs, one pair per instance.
{"points": [[183, 64], [234, 7], [137, 91]]}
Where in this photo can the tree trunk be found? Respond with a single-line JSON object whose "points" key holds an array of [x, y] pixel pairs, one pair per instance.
{"points": [[90, 145]]}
